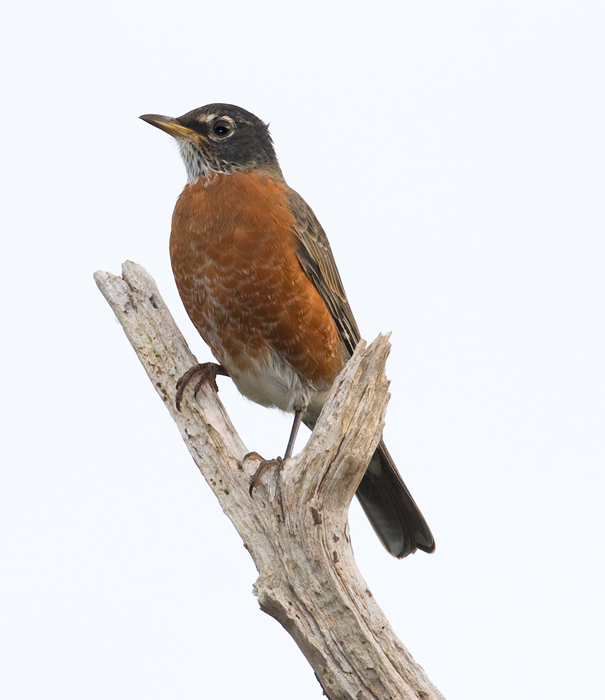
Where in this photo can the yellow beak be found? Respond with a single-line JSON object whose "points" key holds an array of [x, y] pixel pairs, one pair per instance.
{"points": [[170, 126]]}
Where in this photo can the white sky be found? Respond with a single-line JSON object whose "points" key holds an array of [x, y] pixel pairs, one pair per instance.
{"points": [[454, 154]]}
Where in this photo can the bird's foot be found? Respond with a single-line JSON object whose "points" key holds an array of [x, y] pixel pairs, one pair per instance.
{"points": [[207, 372], [264, 465]]}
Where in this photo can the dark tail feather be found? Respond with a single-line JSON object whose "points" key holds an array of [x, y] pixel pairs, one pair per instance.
{"points": [[391, 509]]}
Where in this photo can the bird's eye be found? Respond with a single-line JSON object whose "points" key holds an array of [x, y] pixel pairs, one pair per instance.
{"points": [[222, 128]]}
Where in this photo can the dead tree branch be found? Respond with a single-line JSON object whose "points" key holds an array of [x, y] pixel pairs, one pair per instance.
{"points": [[295, 526]]}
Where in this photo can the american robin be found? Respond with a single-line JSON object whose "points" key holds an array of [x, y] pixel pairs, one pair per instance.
{"points": [[258, 279]]}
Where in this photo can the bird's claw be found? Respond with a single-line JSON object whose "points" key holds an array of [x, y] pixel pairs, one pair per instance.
{"points": [[264, 465], [207, 372]]}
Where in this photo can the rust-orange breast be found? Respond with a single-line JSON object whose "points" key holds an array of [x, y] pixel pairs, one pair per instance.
{"points": [[233, 253]]}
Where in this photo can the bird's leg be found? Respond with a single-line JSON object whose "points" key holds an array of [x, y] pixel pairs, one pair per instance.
{"points": [[293, 433], [207, 372], [278, 461]]}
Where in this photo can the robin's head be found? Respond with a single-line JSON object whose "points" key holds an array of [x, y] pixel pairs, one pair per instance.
{"points": [[220, 138]]}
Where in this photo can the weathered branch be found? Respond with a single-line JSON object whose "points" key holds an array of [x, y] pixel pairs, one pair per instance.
{"points": [[295, 526]]}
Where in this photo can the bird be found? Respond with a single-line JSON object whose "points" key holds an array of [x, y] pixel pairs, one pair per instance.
{"points": [[257, 277]]}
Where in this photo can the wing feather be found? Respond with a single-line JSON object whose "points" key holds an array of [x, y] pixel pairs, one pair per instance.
{"points": [[316, 259]]}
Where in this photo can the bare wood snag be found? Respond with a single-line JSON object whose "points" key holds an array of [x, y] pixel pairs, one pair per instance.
{"points": [[295, 526]]}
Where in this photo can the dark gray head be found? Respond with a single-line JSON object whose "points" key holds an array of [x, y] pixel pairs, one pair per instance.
{"points": [[220, 138]]}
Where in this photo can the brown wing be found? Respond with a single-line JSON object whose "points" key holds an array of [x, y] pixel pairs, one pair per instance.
{"points": [[384, 497], [316, 259]]}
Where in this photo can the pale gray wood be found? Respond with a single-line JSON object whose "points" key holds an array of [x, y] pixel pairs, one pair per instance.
{"points": [[295, 525]]}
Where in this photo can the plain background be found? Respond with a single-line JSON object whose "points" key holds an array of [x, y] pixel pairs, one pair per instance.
{"points": [[454, 154]]}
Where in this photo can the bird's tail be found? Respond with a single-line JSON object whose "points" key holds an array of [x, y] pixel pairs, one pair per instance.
{"points": [[390, 508]]}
